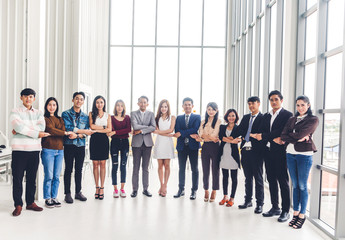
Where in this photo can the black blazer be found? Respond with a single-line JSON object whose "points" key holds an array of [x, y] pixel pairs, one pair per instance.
{"points": [[243, 127], [234, 147], [278, 125]]}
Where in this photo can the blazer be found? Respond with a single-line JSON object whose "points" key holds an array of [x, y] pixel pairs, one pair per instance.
{"points": [[193, 127], [293, 132], [268, 133], [234, 147], [147, 126], [243, 128]]}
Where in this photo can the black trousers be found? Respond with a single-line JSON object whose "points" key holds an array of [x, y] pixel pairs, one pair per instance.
{"points": [[182, 161], [233, 173], [76, 155], [24, 162], [119, 145], [252, 163], [276, 170], [210, 160]]}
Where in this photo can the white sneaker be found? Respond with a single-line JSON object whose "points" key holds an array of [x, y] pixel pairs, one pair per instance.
{"points": [[122, 193], [116, 193]]}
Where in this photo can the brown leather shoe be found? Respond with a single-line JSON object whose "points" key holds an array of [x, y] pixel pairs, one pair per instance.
{"points": [[17, 211], [34, 207]]}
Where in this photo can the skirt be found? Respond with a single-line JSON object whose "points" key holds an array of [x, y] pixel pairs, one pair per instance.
{"points": [[99, 146]]}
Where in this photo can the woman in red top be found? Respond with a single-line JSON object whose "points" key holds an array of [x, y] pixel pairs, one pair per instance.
{"points": [[121, 124]]}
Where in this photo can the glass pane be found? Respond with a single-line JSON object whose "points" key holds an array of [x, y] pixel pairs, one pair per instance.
{"points": [[189, 79], [311, 3], [335, 24], [120, 77], [144, 22], [310, 43], [331, 140], [333, 81], [328, 198], [215, 22], [252, 90], [273, 44], [143, 75], [309, 189], [213, 79], [309, 83], [167, 22], [166, 77], [191, 22], [121, 22], [262, 57]]}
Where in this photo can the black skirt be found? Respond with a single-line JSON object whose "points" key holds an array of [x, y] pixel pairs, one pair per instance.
{"points": [[99, 146]]}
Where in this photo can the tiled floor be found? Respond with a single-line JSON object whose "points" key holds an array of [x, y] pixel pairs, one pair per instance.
{"points": [[145, 218]]}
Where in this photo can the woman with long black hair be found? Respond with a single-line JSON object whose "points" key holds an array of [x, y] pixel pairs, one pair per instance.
{"points": [[100, 122], [208, 133], [297, 136], [52, 152]]}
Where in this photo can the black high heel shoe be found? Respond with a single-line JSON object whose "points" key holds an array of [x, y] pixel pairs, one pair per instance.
{"points": [[293, 221], [299, 223], [97, 194], [101, 196]]}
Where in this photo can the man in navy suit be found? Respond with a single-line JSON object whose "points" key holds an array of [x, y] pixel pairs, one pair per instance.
{"points": [[251, 155], [272, 126], [186, 125]]}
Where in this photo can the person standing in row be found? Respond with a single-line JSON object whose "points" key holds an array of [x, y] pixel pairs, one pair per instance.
{"points": [[164, 146], [28, 128], [121, 124], [298, 136], [74, 145], [100, 123], [186, 125], [274, 154], [229, 155], [52, 152], [208, 132], [251, 152], [143, 123]]}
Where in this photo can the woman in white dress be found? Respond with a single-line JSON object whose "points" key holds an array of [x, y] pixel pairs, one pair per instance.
{"points": [[164, 147]]}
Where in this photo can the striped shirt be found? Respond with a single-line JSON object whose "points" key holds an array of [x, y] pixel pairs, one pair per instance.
{"points": [[27, 124]]}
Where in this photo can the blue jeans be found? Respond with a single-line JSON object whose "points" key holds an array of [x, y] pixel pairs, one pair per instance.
{"points": [[122, 146], [52, 163], [299, 168]]}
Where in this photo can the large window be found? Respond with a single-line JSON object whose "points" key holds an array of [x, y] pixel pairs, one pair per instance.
{"points": [[320, 70], [257, 50], [168, 50]]}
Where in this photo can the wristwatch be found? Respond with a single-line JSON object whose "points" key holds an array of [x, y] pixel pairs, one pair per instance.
{"points": [[104, 127]]}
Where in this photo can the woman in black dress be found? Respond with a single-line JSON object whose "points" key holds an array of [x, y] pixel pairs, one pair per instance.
{"points": [[100, 122]]}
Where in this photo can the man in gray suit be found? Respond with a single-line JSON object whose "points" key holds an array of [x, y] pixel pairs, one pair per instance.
{"points": [[143, 123]]}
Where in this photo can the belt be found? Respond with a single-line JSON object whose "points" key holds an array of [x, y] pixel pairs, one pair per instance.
{"points": [[247, 148]]}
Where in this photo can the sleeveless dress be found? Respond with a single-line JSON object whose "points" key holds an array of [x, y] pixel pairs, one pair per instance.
{"points": [[99, 142], [227, 161], [164, 146]]}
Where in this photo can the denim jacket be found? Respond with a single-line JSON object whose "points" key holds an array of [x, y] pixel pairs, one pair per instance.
{"points": [[72, 123]]}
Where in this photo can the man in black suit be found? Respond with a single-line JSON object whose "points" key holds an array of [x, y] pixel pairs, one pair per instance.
{"points": [[272, 126], [251, 153]]}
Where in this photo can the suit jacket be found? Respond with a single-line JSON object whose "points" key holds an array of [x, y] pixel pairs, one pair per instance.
{"points": [[147, 126], [268, 133], [243, 128], [293, 132], [234, 147], [193, 127]]}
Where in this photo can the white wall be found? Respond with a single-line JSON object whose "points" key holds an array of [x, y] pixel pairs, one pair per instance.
{"points": [[56, 47]]}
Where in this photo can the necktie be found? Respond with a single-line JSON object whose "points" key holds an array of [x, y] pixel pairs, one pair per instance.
{"points": [[249, 128], [186, 140]]}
